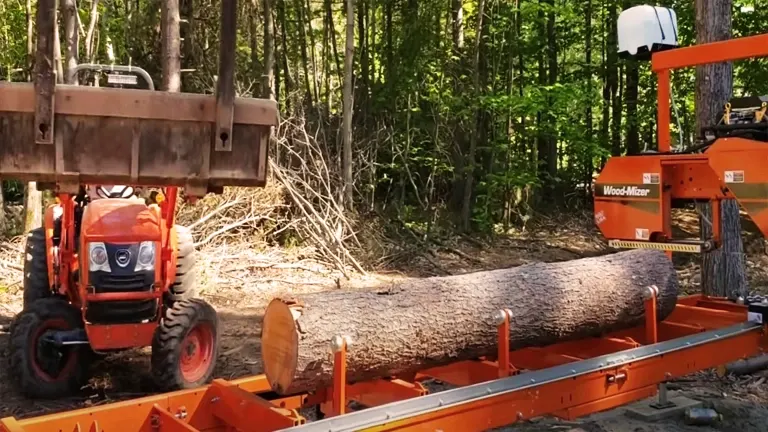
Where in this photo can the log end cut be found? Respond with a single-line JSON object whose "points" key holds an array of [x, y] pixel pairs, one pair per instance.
{"points": [[279, 344]]}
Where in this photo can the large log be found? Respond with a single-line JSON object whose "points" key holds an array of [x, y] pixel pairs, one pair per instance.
{"points": [[421, 323]]}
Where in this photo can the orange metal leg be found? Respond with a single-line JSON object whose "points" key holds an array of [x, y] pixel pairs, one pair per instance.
{"points": [[502, 318], [339, 347], [651, 327]]}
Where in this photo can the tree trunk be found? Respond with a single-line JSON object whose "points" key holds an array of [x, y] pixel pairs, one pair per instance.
{"points": [[466, 202], [349, 56], [91, 29], [298, 4], [588, 163], [70, 35], [187, 34], [722, 271], [30, 39], [423, 323], [633, 132], [457, 25], [57, 47], [33, 207], [171, 46], [269, 52], [3, 232]]}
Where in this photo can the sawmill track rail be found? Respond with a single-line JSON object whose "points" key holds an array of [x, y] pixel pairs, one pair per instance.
{"points": [[568, 380]]}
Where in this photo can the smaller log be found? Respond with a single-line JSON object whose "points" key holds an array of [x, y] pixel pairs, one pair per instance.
{"points": [[744, 366]]}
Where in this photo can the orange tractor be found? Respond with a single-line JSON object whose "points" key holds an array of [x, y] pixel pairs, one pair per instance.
{"points": [[109, 270]]}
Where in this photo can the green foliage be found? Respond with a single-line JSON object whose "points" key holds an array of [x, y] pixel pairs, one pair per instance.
{"points": [[419, 102]]}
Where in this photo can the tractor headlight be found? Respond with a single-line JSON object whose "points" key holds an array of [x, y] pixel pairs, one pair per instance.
{"points": [[146, 260], [97, 256]]}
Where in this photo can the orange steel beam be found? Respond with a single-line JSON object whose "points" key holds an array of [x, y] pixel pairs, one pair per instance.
{"points": [[596, 388], [225, 405], [715, 52]]}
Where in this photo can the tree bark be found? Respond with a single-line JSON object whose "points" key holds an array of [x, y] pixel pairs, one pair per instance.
{"points": [[57, 47], [422, 323], [466, 202], [33, 207], [723, 271], [347, 108], [91, 30], [171, 46], [70, 35], [268, 85], [30, 39], [2, 213]]}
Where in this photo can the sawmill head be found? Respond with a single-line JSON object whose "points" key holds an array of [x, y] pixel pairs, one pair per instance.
{"points": [[743, 117]]}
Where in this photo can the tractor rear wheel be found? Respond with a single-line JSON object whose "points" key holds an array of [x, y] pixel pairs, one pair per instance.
{"points": [[36, 283], [185, 345], [184, 287], [39, 368]]}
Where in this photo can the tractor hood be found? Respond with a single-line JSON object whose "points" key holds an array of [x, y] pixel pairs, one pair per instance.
{"points": [[120, 220]]}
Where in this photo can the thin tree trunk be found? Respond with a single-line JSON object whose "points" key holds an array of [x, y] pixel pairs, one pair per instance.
{"points": [[588, 164], [612, 70], [633, 132], [33, 207], [723, 272], [70, 34], [364, 85], [287, 77], [312, 56], [187, 33], [551, 119], [329, 19], [91, 29], [3, 231], [303, 48], [30, 40], [457, 24], [466, 205], [57, 48], [349, 56], [171, 46], [268, 84]]}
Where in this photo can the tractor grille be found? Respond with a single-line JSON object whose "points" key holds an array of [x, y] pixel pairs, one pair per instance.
{"points": [[121, 312], [104, 283]]}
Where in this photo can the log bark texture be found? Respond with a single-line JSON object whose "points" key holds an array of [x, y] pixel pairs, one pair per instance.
{"points": [[421, 323]]}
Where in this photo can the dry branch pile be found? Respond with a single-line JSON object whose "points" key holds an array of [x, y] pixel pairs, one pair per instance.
{"points": [[301, 201]]}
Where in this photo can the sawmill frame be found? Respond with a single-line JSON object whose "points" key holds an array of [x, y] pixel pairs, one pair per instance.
{"points": [[568, 380]]}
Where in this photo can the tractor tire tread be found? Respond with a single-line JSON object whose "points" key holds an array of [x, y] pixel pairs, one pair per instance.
{"points": [[20, 363], [169, 335], [184, 284], [36, 283]]}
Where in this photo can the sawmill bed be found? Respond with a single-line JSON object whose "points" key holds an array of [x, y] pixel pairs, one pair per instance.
{"points": [[568, 380]]}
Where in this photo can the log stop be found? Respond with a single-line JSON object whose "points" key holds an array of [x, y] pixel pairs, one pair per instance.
{"points": [[421, 323]]}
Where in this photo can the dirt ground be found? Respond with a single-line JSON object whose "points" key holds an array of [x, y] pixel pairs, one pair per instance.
{"points": [[239, 282]]}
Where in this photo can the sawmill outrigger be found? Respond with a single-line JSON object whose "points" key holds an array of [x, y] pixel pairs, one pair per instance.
{"points": [[568, 380]]}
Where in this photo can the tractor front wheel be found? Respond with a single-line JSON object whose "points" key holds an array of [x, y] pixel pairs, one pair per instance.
{"points": [[36, 283], [185, 345], [183, 287], [39, 367]]}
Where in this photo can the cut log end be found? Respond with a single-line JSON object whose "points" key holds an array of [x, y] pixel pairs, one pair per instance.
{"points": [[280, 344]]}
